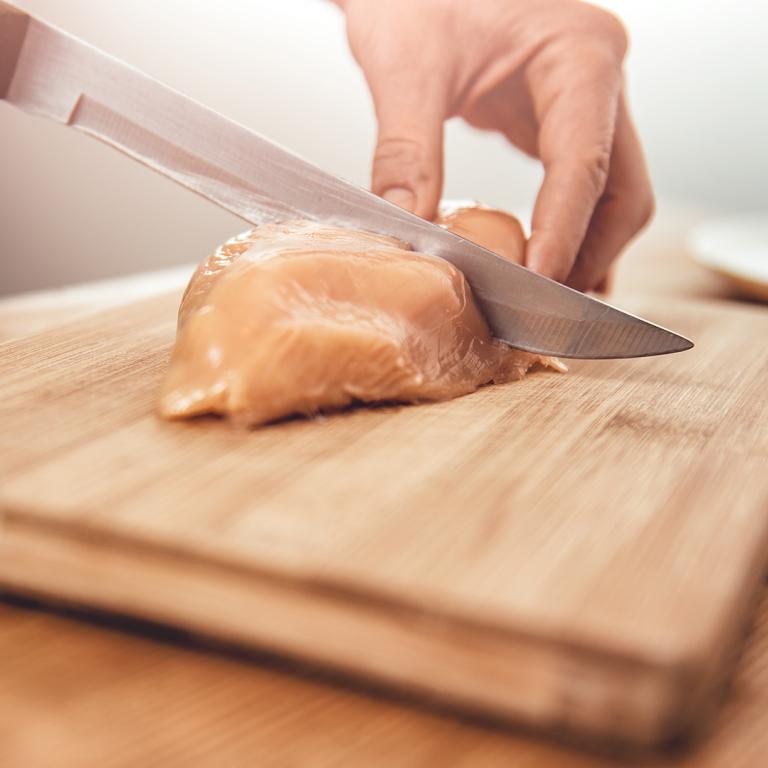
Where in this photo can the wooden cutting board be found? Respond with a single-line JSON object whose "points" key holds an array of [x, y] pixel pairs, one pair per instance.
{"points": [[576, 552]]}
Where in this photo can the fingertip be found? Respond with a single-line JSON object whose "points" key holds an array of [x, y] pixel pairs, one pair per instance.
{"points": [[605, 285], [423, 203], [401, 197], [408, 173], [428, 203], [547, 256]]}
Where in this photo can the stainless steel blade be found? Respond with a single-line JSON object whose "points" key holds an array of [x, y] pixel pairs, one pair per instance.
{"points": [[46, 72]]}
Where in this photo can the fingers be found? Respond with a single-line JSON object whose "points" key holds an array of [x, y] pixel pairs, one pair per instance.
{"points": [[624, 209], [409, 77], [408, 161], [605, 285], [577, 110]]}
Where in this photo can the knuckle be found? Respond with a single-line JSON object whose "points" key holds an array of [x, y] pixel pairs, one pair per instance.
{"points": [[634, 210], [607, 31], [615, 32], [644, 209], [402, 157], [400, 149], [597, 165]]}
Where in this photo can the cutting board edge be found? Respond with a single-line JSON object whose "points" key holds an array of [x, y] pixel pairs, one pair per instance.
{"points": [[687, 659], [622, 703]]}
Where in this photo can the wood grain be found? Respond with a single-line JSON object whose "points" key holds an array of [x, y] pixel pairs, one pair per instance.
{"points": [[543, 549]]}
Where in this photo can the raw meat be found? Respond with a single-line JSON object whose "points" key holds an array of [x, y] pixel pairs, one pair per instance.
{"points": [[298, 318], [495, 230]]}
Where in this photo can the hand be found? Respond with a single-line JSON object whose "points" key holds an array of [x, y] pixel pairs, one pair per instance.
{"points": [[545, 73]]}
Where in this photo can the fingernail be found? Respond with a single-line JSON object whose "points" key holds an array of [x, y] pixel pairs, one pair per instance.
{"points": [[400, 196]]}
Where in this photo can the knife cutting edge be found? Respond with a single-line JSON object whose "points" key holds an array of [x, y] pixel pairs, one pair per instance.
{"points": [[47, 72]]}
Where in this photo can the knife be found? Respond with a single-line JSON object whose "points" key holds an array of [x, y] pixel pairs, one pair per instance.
{"points": [[47, 72]]}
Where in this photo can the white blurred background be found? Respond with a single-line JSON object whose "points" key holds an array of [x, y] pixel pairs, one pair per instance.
{"points": [[72, 209]]}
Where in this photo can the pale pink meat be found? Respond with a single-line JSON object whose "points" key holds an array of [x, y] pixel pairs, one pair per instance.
{"points": [[299, 318]]}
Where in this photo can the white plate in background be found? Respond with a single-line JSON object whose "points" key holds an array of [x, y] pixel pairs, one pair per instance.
{"points": [[736, 247]]}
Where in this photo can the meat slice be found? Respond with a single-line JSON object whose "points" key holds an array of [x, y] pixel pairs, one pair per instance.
{"points": [[496, 230], [298, 318]]}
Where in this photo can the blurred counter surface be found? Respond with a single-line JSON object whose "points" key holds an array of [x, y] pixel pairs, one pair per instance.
{"points": [[77, 693]]}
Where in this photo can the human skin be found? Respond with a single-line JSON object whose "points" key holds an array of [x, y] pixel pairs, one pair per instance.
{"points": [[547, 74]]}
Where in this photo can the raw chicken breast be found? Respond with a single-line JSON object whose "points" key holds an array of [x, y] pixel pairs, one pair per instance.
{"points": [[297, 318], [495, 230]]}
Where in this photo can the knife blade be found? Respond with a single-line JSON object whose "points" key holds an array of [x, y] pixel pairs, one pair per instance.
{"points": [[47, 72]]}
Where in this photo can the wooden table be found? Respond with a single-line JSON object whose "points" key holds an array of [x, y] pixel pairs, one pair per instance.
{"points": [[112, 693]]}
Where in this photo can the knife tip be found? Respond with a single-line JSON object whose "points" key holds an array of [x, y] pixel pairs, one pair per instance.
{"points": [[678, 344]]}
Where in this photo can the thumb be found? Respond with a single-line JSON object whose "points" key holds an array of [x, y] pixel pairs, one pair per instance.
{"points": [[408, 162]]}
